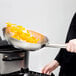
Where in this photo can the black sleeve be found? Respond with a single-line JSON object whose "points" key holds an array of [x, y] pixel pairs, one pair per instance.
{"points": [[70, 35]]}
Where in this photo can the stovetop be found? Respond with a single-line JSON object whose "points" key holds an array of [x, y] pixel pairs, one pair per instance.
{"points": [[5, 48]]}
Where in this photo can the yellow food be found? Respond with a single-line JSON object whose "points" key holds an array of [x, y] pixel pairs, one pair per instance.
{"points": [[21, 33]]}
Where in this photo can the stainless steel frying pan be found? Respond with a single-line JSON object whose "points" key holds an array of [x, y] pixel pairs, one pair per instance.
{"points": [[30, 46]]}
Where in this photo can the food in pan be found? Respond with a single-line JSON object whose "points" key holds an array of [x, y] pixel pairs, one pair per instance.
{"points": [[21, 33]]}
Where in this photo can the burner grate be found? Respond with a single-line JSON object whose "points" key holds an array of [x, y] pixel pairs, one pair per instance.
{"points": [[32, 73], [23, 72]]}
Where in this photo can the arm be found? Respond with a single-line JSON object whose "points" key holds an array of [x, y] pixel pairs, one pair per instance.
{"points": [[71, 37], [70, 40], [61, 58]]}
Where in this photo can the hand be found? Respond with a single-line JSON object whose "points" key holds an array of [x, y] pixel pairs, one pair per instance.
{"points": [[71, 46], [50, 67]]}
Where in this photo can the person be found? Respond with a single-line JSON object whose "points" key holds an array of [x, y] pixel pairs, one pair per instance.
{"points": [[66, 58]]}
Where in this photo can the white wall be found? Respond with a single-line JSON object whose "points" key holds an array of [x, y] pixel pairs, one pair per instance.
{"points": [[49, 17]]}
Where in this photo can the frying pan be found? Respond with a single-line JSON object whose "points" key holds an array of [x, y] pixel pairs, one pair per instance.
{"points": [[43, 42]]}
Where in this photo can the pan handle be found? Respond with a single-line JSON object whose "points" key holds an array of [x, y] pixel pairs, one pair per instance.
{"points": [[56, 45]]}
